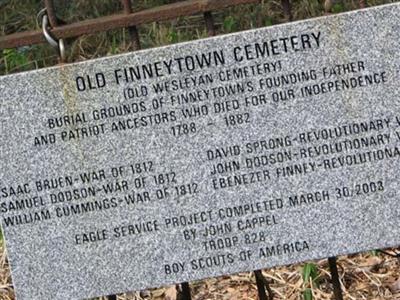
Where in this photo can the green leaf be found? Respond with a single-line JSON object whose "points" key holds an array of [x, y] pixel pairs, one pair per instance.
{"points": [[269, 21], [374, 252], [15, 58], [230, 24], [173, 36], [310, 271], [337, 8], [307, 294]]}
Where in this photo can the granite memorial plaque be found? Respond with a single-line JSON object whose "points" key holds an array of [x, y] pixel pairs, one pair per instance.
{"points": [[235, 153]]}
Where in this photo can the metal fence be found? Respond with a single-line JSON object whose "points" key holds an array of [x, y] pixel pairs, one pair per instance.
{"points": [[126, 19], [131, 20]]}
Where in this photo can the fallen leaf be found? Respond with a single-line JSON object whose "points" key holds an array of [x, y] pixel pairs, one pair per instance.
{"points": [[395, 287], [170, 293]]}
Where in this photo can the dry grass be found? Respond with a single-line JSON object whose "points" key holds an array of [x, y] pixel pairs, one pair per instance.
{"points": [[6, 289], [21, 15]]}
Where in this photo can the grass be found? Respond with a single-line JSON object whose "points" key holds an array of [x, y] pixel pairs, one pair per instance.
{"points": [[310, 278], [18, 16]]}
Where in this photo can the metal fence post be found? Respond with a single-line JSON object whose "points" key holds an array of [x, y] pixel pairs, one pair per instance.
{"points": [[337, 290], [133, 31], [263, 287], [209, 19], [185, 292], [287, 10], [49, 4]]}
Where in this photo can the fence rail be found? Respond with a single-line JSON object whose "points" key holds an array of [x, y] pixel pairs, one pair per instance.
{"points": [[130, 20]]}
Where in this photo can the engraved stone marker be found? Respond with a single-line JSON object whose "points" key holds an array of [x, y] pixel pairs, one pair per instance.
{"points": [[229, 154]]}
